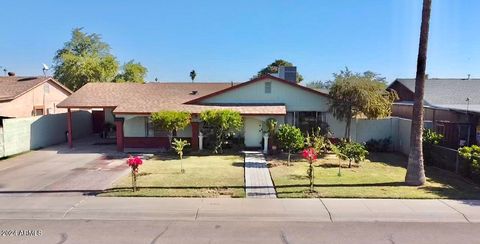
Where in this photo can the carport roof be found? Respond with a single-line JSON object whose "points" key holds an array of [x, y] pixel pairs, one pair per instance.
{"points": [[134, 98]]}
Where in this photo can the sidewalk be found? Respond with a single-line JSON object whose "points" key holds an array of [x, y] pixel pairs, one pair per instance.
{"points": [[218, 209], [258, 182]]}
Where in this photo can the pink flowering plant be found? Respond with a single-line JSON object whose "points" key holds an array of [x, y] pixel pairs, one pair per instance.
{"points": [[311, 156], [134, 163]]}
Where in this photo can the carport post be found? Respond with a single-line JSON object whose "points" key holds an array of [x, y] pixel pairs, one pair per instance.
{"points": [[69, 126], [119, 134]]}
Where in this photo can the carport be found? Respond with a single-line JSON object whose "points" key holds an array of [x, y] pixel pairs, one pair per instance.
{"points": [[100, 116]]}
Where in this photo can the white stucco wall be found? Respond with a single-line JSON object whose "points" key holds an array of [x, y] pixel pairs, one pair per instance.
{"points": [[109, 116], [295, 99], [134, 126], [29, 133]]}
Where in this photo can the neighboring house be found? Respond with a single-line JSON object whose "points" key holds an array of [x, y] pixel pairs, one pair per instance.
{"points": [[30, 96], [453, 105], [256, 100]]}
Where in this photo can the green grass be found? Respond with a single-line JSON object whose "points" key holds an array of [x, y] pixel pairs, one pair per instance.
{"points": [[381, 177], [205, 176]]}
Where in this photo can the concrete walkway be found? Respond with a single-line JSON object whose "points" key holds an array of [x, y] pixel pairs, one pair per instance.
{"points": [[258, 183], [221, 209]]}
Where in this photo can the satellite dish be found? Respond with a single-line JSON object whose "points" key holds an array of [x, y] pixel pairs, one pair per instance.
{"points": [[45, 68]]}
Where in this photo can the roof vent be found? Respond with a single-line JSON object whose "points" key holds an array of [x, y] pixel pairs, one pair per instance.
{"points": [[11, 73], [27, 78], [288, 73], [193, 93]]}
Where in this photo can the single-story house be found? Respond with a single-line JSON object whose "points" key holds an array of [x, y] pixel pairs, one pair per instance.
{"points": [[30, 96], [130, 106], [453, 105]]}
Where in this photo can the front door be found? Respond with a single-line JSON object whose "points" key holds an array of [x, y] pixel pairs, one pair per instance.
{"points": [[253, 132], [98, 120]]}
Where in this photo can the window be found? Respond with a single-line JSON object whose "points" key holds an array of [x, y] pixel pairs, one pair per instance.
{"points": [[306, 121], [151, 131], [268, 87], [38, 111]]}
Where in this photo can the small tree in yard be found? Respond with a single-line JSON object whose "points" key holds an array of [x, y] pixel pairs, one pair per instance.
{"points": [[134, 163], [359, 94], [179, 145], [352, 151], [223, 123], [170, 121], [290, 139], [311, 155], [317, 141]]}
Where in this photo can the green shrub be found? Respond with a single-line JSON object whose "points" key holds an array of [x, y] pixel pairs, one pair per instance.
{"points": [[472, 154], [318, 141], [380, 145], [352, 151], [431, 137], [222, 124], [170, 121], [290, 139]]}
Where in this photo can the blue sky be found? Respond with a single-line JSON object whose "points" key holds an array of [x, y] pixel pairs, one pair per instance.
{"points": [[232, 40]]}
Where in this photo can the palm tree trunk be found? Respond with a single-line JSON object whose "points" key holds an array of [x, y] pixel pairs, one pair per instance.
{"points": [[415, 169]]}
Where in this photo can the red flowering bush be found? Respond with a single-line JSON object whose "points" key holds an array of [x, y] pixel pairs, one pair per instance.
{"points": [[311, 155], [134, 163]]}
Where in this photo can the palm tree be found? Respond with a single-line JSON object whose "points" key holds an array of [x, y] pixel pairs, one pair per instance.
{"points": [[193, 74], [415, 170]]}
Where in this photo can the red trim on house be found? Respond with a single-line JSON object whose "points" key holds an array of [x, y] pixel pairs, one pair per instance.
{"points": [[253, 81], [148, 142], [119, 134], [195, 133]]}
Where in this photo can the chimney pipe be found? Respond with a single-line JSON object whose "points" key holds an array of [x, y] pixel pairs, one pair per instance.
{"points": [[11, 73]]}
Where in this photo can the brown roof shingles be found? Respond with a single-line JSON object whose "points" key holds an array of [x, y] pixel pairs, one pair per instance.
{"points": [[133, 98], [13, 86]]}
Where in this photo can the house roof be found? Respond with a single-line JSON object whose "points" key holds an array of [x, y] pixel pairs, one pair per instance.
{"points": [[447, 93], [12, 87], [134, 98], [263, 77]]}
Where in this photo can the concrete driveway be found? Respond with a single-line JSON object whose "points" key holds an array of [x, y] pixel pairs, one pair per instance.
{"points": [[58, 169]]}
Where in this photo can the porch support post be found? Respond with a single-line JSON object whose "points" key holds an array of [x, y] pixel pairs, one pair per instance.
{"points": [[119, 133], [70, 128], [265, 143], [195, 134]]}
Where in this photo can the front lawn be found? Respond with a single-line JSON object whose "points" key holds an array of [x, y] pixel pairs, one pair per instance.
{"points": [[382, 177], [205, 176]]}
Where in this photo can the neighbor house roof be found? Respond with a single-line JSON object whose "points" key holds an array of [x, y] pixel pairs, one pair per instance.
{"points": [[448, 93], [12, 87], [134, 98]]}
